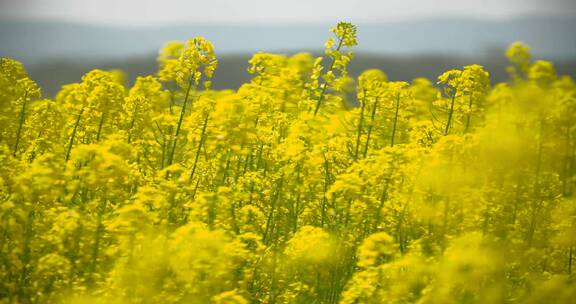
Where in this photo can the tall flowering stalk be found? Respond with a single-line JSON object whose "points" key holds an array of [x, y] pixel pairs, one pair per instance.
{"points": [[336, 72], [196, 61]]}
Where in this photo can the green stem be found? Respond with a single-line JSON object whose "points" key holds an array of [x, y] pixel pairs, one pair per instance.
{"points": [[71, 143], [469, 116], [326, 182], [100, 127], [451, 113], [179, 125], [295, 206], [97, 239], [566, 166], [132, 123], [537, 202], [197, 156], [445, 221], [163, 151], [325, 85], [26, 255], [570, 254], [360, 125], [20, 123], [382, 200], [272, 295], [172, 92], [270, 221], [226, 167], [370, 127], [395, 120]]}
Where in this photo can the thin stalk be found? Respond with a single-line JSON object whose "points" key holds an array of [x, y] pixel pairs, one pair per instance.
{"points": [[272, 294], [325, 190], [100, 127], [179, 125], [97, 240], [247, 161], [347, 212], [325, 85], [26, 255], [20, 123], [570, 255], [74, 256], [445, 221], [567, 163], [451, 113], [400, 230], [517, 198], [74, 134], [33, 153], [195, 189], [174, 87], [270, 221], [163, 151], [197, 156], [370, 127], [211, 217], [238, 162], [395, 120], [447, 205], [486, 218], [132, 123], [469, 116], [294, 207], [537, 194], [382, 200], [234, 220], [226, 167], [360, 125]]}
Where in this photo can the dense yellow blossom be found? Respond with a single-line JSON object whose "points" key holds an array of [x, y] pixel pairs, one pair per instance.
{"points": [[304, 185]]}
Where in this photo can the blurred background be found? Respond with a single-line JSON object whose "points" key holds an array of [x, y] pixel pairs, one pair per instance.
{"points": [[60, 40]]}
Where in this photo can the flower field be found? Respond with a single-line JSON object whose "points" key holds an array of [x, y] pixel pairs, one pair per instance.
{"points": [[305, 185]]}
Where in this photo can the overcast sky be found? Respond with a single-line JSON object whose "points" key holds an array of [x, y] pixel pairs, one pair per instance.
{"points": [[154, 12]]}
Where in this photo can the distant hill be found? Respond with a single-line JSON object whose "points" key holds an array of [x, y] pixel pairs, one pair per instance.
{"points": [[59, 53], [231, 72], [40, 42]]}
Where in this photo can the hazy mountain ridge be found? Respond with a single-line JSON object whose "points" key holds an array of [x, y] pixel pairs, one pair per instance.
{"points": [[39, 42], [57, 53], [231, 72]]}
